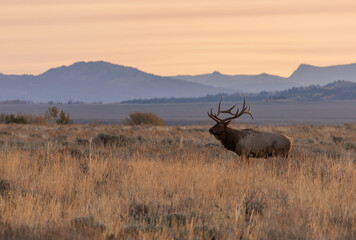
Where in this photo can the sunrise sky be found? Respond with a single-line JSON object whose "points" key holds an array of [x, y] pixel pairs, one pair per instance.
{"points": [[169, 37]]}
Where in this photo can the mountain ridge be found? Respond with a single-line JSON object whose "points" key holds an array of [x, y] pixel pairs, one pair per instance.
{"points": [[241, 82], [96, 82], [304, 75], [100, 81]]}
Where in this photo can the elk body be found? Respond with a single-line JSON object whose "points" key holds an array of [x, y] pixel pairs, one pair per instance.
{"points": [[247, 142]]}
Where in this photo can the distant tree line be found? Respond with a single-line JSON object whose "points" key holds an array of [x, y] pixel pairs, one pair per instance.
{"points": [[50, 116], [337, 90], [70, 101], [16, 101], [207, 98]]}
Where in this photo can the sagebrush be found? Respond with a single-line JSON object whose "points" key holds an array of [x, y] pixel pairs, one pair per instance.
{"points": [[144, 118], [64, 182]]}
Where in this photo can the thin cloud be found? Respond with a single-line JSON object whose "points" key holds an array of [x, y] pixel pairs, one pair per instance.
{"points": [[81, 16], [170, 32]]}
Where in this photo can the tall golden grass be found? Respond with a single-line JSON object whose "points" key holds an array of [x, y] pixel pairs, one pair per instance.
{"points": [[64, 182]]}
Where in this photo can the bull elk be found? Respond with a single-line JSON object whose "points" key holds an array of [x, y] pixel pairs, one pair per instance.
{"points": [[247, 142]]}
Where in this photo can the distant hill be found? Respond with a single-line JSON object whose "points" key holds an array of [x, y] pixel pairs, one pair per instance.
{"points": [[241, 83], [105, 82], [308, 75], [337, 90], [305, 75], [97, 82]]}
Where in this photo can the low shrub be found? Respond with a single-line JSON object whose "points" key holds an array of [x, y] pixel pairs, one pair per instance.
{"points": [[36, 119], [4, 187], [109, 140], [116, 141], [87, 222], [63, 118], [82, 141], [144, 118]]}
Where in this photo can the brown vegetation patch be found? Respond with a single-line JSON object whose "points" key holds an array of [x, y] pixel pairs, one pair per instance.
{"points": [[142, 182]]}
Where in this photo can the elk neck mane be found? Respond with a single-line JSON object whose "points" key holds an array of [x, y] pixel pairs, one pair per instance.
{"points": [[230, 138]]}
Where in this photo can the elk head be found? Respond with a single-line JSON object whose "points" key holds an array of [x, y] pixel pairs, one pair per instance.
{"points": [[219, 129]]}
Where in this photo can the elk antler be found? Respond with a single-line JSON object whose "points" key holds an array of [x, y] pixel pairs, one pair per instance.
{"points": [[216, 118]]}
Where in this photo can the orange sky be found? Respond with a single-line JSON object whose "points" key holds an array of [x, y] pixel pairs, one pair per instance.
{"points": [[169, 37]]}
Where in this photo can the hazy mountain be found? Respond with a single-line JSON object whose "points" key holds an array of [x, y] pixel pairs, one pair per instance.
{"points": [[214, 79], [337, 90], [106, 82], [97, 81], [266, 82], [305, 75], [241, 83]]}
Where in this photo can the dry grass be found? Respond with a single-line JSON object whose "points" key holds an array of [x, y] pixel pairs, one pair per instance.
{"points": [[65, 182]]}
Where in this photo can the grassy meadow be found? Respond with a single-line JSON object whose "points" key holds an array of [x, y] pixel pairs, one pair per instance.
{"points": [[145, 182]]}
